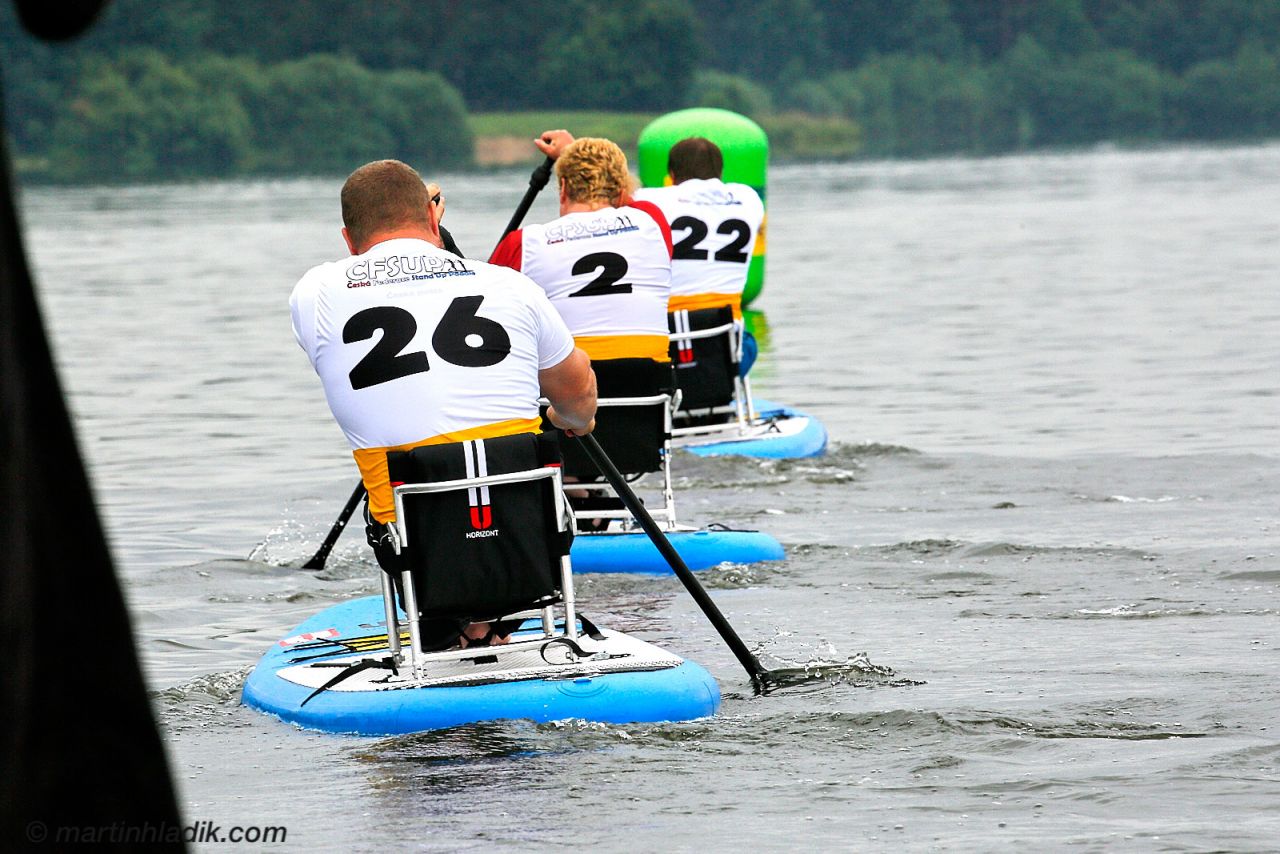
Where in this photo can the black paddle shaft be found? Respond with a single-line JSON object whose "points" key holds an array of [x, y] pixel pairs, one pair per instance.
{"points": [[322, 553], [682, 571], [537, 181]]}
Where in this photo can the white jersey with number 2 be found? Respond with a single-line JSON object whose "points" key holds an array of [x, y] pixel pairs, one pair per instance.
{"points": [[608, 274]]}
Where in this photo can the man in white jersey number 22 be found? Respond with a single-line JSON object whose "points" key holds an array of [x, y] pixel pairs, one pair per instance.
{"points": [[714, 227], [417, 346]]}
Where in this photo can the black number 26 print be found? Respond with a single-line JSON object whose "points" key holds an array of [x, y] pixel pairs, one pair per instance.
{"points": [[687, 248], [461, 338]]}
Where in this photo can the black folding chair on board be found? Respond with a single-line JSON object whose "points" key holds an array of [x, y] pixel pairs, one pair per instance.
{"points": [[481, 535], [706, 349], [635, 402]]}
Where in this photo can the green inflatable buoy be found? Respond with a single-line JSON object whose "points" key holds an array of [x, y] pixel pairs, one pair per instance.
{"points": [[746, 158]]}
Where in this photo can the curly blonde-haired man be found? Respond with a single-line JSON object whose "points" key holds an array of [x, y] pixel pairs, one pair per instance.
{"points": [[606, 261]]}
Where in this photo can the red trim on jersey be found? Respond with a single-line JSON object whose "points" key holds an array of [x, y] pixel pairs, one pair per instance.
{"points": [[511, 250], [654, 211]]}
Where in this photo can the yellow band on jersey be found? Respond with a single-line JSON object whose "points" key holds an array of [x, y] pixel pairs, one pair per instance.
{"points": [[602, 347], [694, 302], [373, 461]]}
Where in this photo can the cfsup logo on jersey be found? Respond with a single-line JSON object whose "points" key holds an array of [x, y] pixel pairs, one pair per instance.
{"points": [[478, 496]]}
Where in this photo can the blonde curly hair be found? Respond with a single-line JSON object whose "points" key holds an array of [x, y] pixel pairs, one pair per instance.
{"points": [[594, 170]]}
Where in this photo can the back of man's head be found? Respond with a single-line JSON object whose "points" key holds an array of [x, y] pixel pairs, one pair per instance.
{"points": [[694, 157], [594, 170], [381, 196]]}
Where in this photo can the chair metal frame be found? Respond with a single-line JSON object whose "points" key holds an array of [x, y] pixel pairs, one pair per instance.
{"points": [[742, 407], [667, 513], [417, 657]]}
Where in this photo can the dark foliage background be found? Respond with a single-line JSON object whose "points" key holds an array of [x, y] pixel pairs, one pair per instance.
{"points": [[216, 87]]}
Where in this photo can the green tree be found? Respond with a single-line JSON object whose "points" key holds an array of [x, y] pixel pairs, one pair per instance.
{"points": [[1232, 98], [318, 116], [768, 41], [729, 92], [328, 114], [1101, 95], [916, 105], [427, 120], [640, 59], [1062, 26], [140, 116]]}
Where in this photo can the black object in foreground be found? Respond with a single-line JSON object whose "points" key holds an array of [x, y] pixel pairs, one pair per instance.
{"points": [[322, 553], [80, 749], [537, 181], [759, 677]]}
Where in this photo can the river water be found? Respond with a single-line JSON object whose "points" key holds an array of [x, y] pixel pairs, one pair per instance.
{"points": [[1045, 533]]}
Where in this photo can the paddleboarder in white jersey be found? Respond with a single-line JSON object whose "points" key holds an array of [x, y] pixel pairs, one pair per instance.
{"points": [[606, 262], [715, 226], [417, 346]]}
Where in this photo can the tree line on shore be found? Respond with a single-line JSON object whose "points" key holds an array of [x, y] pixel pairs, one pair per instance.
{"points": [[194, 88]]}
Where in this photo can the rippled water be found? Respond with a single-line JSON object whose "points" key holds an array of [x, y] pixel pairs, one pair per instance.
{"points": [[1045, 536]]}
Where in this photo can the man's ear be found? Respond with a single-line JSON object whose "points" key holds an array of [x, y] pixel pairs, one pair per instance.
{"points": [[346, 235]]}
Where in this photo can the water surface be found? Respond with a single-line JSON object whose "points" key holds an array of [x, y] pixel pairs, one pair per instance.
{"points": [[1046, 531]]}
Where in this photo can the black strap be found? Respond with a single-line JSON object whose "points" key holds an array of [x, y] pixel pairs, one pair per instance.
{"points": [[590, 628], [387, 663], [720, 526]]}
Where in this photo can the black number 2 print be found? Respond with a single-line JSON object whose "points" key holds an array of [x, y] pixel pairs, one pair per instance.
{"points": [[612, 267]]}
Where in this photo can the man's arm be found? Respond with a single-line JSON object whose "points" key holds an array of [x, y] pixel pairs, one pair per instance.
{"points": [[571, 388]]}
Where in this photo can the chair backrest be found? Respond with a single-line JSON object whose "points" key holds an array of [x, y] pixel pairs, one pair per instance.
{"points": [[633, 419], [484, 551], [704, 351]]}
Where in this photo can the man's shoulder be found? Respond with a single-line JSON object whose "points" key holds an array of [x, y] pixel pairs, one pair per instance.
{"points": [[649, 207], [654, 194], [744, 192], [312, 280], [508, 280]]}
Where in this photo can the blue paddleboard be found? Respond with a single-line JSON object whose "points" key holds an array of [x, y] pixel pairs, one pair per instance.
{"points": [[703, 549], [614, 678], [779, 432]]}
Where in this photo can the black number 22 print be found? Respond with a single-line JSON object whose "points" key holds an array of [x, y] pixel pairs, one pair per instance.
{"points": [[687, 247]]}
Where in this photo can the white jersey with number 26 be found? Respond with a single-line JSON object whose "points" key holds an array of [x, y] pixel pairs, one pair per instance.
{"points": [[412, 342]]}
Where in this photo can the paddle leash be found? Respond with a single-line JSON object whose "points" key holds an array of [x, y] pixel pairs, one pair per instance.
{"points": [[759, 677], [541, 175]]}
